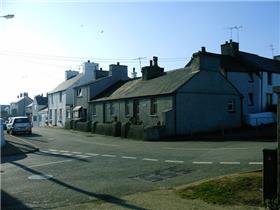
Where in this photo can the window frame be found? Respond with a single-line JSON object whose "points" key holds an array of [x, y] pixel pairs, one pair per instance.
{"points": [[153, 106]]}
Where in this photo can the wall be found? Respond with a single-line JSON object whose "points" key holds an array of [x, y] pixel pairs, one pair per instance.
{"points": [[164, 103], [240, 81], [56, 104], [202, 104]]}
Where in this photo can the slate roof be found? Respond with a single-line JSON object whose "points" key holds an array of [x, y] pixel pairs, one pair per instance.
{"points": [[41, 100], [247, 62], [67, 84], [165, 84]]}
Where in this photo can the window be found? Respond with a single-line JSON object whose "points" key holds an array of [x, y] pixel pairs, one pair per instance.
{"points": [[231, 106], [68, 114], [60, 96], [94, 110], [153, 106], [269, 78], [250, 99], [126, 108], [269, 99], [111, 109], [34, 118], [79, 92], [60, 114], [251, 77], [50, 114]]}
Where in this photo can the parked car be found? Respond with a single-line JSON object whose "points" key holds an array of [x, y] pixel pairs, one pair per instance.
{"points": [[19, 125]]}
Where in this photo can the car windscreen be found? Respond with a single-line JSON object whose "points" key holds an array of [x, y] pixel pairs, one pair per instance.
{"points": [[21, 120]]}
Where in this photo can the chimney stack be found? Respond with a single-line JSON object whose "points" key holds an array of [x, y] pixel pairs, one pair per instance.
{"points": [[203, 49], [155, 59]]}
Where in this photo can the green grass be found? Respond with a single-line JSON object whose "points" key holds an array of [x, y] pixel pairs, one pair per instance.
{"points": [[243, 189]]}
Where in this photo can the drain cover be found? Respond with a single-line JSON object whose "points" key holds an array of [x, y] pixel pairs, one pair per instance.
{"points": [[163, 174], [40, 177]]}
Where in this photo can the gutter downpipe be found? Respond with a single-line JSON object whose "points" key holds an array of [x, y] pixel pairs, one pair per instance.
{"points": [[175, 113]]}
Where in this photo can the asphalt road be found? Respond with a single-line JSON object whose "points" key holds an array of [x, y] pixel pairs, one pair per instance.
{"points": [[75, 167]]}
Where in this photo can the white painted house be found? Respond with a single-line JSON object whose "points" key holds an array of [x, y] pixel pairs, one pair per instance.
{"points": [[60, 99], [254, 76]]}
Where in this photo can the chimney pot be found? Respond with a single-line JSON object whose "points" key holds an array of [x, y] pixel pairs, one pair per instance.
{"points": [[118, 63], [155, 59], [88, 61], [230, 40], [203, 49], [151, 63]]}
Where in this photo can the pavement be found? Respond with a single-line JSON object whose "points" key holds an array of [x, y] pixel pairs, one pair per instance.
{"points": [[17, 146]]}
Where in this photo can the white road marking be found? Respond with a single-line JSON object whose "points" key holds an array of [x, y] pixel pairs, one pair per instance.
{"points": [[76, 152], [92, 154], [55, 162], [229, 163], [53, 150], [196, 162], [205, 149], [67, 154], [64, 151], [44, 151], [255, 163], [174, 161], [128, 157], [83, 156], [149, 159], [108, 155]]}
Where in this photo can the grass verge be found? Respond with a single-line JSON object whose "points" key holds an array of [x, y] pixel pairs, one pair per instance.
{"points": [[241, 189]]}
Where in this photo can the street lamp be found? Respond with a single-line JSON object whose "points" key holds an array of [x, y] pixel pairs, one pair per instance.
{"points": [[9, 16]]}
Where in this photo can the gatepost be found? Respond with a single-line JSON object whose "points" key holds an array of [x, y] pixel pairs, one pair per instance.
{"points": [[277, 90]]}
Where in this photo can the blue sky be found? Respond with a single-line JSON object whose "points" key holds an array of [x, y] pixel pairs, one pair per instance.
{"points": [[48, 37]]}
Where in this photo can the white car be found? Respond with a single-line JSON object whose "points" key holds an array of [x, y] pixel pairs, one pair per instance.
{"points": [[19, 125]]}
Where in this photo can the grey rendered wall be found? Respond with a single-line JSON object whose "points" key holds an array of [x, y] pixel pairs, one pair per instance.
{"points": [[201, 104], [82, 100], [164, 104], [240, 81], [205, 112]]}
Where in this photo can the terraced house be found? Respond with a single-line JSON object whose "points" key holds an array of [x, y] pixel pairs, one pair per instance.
{"points": [[60, 99], [197, 98]]}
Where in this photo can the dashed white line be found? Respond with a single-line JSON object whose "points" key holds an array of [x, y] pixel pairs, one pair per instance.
{"points": [[196, 162], [92, 154], [205, 149], [67, 154], [64, 151], [77, 153], [83, 156], [174, 161], [53, 150], [44, 151], [149, 159], [255, 163], [229, 163], [108, 155], [128, 157]]}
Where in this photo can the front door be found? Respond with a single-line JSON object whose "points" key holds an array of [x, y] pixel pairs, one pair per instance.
{"points": [[136, 111], [55, 117]]}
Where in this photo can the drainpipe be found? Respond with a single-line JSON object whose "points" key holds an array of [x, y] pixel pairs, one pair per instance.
{"points": [[261, 91], [175, 114]]}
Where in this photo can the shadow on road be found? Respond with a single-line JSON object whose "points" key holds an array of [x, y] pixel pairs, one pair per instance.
{"points": [[9, 202], [10, 153], [101, 197]]}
